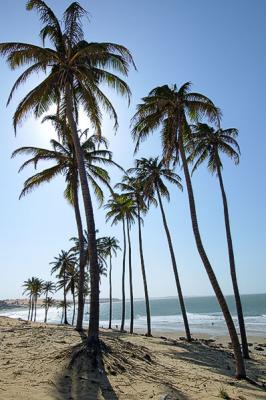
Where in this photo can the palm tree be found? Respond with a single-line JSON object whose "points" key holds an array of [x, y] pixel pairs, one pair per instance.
{"points": [[28, 285], [133, 189], [62, 264], [47, 287], [63, 156], [72, 280], [34, 287], [64, 305], [152, 174], [47, 303], [169, 108], [206, 143], [116, 212], [110, 247], [74, 70]]}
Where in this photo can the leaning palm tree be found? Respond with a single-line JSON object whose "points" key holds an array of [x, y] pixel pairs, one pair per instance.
{"points": [[116, 212], [110, 247], [62, 264], [47, 287], [206, 144], [132, 188], [63, 157], [152, 173], [74, 70], [47, 303], [169, 108]]}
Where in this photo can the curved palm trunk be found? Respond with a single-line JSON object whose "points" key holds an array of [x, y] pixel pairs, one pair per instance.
{"points": [[110, 293], [65, 303], [74, 308], [177, 281], [130, 280], [148, 312], [123, 280], [233, 269], [240, 366], [81, 281], [93, 332]]}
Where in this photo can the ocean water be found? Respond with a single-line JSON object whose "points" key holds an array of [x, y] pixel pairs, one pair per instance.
{"points": [[204, 314]]}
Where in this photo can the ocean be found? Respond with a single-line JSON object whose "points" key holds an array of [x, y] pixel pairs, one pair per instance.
{"points": [[204, 314]]}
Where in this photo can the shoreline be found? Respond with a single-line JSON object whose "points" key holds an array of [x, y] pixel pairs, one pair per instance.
{"points": [[197, 330]]}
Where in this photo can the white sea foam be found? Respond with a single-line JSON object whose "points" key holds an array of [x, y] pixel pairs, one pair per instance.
{"points": [[212, 323]]}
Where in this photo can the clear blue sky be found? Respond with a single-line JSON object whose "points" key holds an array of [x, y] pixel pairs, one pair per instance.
{"points": [[220, 47]]}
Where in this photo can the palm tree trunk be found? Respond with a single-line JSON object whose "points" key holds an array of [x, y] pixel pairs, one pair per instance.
{"points": [[46, 314], [29, 308], [110, 293], [74, 308], [240, 366], [81, 281], [233, 269], [177, 281], [65, 303], [32, 308], [123, 280], [35, 308], [148, 313], [46, 308], [93, 332], [130, 280]]}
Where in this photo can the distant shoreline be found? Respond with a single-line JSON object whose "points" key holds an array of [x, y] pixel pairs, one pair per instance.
{"points": [[24, 303]]}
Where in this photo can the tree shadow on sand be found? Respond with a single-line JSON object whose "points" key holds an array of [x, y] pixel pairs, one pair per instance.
{"points": [[84, 378], [218, 360]]}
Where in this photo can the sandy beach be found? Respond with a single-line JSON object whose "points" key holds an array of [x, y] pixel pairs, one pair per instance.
{"points": [[35, 364]]}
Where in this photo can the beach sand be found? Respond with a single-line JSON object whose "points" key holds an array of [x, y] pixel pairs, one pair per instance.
{"points": [[34, 365]]}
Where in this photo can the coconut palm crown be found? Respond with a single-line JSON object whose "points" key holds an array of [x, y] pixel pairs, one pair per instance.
{"points": [[167, 108], [70, 60], [206, 144]]}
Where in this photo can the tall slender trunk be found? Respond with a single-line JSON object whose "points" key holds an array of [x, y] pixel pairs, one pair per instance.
{"points": [[240, 366], [110, 293], [30, 300], [130, 280], [46, 308], [65, 302], [233, 268], [32, 307], [93, 332], [177, 281], [74, 308], [81, 281], [35, 307], [123, 280], [148, 313], [46, 314]]}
